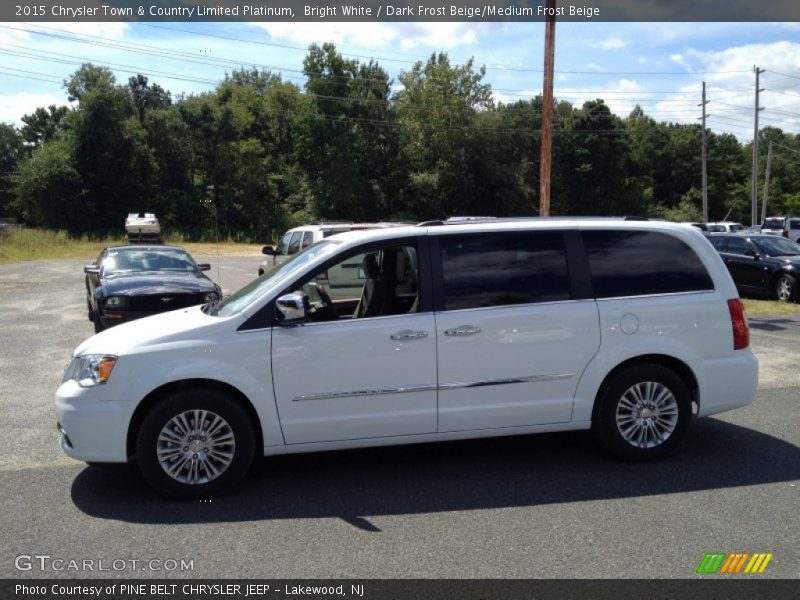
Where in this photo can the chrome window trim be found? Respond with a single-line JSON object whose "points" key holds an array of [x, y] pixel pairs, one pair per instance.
{"points": [[665, 294], [432, 387], [522, 305]]}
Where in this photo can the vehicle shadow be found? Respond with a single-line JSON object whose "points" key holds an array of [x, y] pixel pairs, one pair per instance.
{"points": [[772, 324], [455, 476]]}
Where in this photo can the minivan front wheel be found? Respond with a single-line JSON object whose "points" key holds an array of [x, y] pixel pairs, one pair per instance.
{"points": [[195, 443], [643, 412]]}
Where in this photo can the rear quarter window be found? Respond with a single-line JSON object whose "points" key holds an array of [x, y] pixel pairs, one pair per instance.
{"points": [[773, 224], [639, 263]]}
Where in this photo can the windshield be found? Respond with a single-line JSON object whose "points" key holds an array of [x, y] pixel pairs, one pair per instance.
{"points": [[777, 246], [258, 287], [737, 227], [120, 262]]}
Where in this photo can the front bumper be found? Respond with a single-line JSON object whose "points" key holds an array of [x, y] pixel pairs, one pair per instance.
{"points": [[92, 428]]}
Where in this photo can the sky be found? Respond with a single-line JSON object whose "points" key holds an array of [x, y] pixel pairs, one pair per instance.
{"points": [[660, 66]]}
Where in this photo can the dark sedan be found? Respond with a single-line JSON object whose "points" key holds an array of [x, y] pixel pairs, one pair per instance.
{"points": [[130, 282], [762, 265]]}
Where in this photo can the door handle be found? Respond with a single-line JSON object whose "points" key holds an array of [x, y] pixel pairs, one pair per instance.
{"points": [[462, 331], [407, 334]]}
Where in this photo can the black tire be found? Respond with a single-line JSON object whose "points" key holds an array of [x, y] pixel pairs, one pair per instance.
{"points": [[785, 288], [217, 404], [97, 322], [662, 433]]}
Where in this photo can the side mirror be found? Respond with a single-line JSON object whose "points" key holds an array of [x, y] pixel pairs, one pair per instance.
{"points": [[268, 250], [91, 270], [291, 309], [753, 254], [204, 266]]}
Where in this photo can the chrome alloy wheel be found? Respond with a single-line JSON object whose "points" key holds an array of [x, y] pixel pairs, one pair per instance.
{"points": [[647, 414], [784, 288], [195, 447]]}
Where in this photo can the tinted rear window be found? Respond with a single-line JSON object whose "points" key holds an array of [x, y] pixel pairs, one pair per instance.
{"points": [[503, 269], [718, 242], [637, 263], [773, 224]]}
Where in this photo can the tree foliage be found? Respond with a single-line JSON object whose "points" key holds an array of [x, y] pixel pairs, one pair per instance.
{"points": [[258, 154]]}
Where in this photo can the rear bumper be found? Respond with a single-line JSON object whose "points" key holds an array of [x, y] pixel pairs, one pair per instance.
{"points": [[726, 383]]}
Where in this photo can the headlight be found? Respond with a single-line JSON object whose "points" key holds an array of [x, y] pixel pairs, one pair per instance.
{"points": [[210, 297], [94, 369], [115, 302]]}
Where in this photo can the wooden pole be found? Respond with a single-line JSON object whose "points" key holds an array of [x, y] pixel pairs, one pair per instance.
{"points": [[547, 110]]}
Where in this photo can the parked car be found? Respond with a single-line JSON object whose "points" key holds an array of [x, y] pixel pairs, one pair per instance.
{"points": [[788, 227], [496, 327], [130, 282], [300, 238], [764, 265], [725, 227], [143, 227], [701, 226]]}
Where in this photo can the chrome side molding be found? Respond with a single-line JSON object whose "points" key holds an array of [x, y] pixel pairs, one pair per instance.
{"points": [[432, 387]]}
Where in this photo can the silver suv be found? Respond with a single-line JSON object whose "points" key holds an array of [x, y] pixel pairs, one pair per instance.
{"points": [[300, 238]]}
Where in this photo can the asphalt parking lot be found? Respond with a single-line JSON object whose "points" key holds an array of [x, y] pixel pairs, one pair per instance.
{"points": [[537, 506]]}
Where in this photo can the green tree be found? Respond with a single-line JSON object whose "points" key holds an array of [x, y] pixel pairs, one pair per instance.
{"points": [[11, 150], [43, 124]]}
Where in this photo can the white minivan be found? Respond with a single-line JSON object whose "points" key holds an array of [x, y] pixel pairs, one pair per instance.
{"points": [[460, 330]]}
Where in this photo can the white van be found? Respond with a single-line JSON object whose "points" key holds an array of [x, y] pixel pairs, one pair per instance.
{"points": [[490, 328], [788, 227]]}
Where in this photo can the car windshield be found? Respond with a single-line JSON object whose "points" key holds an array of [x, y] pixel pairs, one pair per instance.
{"points": [[258, 287], [777, 246], [120, 262], [737, 227]]}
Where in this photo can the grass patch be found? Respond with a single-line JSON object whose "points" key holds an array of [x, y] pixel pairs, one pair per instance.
{"points": [[37, 244], [770, 307]]}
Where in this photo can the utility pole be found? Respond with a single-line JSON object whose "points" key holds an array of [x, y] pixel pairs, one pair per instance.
{"points": [[547, 110], [705, 166], [766, 183], [754, 212]]}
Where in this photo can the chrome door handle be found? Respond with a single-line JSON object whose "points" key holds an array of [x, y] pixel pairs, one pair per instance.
{"points": [[462, 331], [407, 334]]}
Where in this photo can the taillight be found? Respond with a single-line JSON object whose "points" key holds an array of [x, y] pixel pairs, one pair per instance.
{"points": [[785, 233], [741, 332]]}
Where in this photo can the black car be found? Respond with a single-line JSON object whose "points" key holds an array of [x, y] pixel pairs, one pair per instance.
{"points": [[763, 265], [129, 282]]}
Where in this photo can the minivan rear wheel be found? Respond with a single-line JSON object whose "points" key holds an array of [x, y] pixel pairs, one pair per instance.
{"points": [[643, 413], [195, 443]]}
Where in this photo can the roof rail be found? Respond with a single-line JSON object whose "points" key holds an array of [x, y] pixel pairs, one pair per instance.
{"points": [[323, 222], [477, 220]]}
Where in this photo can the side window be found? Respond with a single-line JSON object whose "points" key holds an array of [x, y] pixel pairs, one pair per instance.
{"points": [[794, 224], [284, 245], [637, 263], [308, 239], [503, 269], [718, 242], [294, 243], [737, 245], [378, 283]]}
